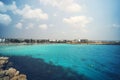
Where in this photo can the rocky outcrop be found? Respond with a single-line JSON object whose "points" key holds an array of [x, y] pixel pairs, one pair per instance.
{"points": [[9, 73]]}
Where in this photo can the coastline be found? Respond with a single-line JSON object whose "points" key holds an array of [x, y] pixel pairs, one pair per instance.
{"points": [[18, 44]]}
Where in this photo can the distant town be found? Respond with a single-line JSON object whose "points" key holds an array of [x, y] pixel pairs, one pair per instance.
{"points": [[46, 41]]}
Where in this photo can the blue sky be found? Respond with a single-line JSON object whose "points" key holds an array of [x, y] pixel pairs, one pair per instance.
{"points": [[60, 19]]}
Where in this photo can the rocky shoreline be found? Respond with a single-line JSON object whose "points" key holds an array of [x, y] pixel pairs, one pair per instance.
{"points": [[9, 73]]}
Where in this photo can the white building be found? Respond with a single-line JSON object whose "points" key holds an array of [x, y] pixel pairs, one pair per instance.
{"points": [[2, 40]]}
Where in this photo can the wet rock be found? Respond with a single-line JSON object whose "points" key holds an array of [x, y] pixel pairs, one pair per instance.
{"points": [[6, 78], [17, 73], [22, 77], [3, 60], [14, 78], [19, 77], [9, 73], [2, 73]]}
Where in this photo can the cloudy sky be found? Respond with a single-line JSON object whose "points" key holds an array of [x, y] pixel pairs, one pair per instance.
{"points": [[60, 19]]}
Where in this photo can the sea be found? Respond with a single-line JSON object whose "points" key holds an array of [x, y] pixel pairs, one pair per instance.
{"points": [[65, 61]]}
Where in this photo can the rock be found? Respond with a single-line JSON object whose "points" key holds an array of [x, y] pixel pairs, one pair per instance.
{"points": [[22, 77], [17, 73], [19, 77], [9, 73], [6, 78], [2, 73], [14, 78], [3, 60], [1, 78]]}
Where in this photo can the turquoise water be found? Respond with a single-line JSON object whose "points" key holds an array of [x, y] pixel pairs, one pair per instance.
{"points": [[97, 62]]}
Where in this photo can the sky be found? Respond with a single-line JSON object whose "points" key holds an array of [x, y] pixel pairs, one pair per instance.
{"points": [[60, 19]]}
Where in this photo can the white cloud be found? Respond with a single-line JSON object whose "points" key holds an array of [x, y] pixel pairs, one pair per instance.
{"points": [[28, 13], [51, 25], [5, 19], [19, 25], [78, 21], [43, 26], [64, 33], [11, 7], [2, 7], [30, 26], [54, 14], [65, 5], [84, 30]]}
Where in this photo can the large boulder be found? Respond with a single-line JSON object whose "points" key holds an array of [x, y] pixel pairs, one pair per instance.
{"points": [[3, 60], [19, 77], [11, 72]]}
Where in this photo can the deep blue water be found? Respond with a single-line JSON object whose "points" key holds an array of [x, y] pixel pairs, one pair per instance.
{"points": [[97, 62]]}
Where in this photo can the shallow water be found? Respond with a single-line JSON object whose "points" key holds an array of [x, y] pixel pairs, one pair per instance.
{"points": [[97, 62]]}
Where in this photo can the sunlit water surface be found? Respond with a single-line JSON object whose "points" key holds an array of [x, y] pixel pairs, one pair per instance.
{"points": [[98, 62]]}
